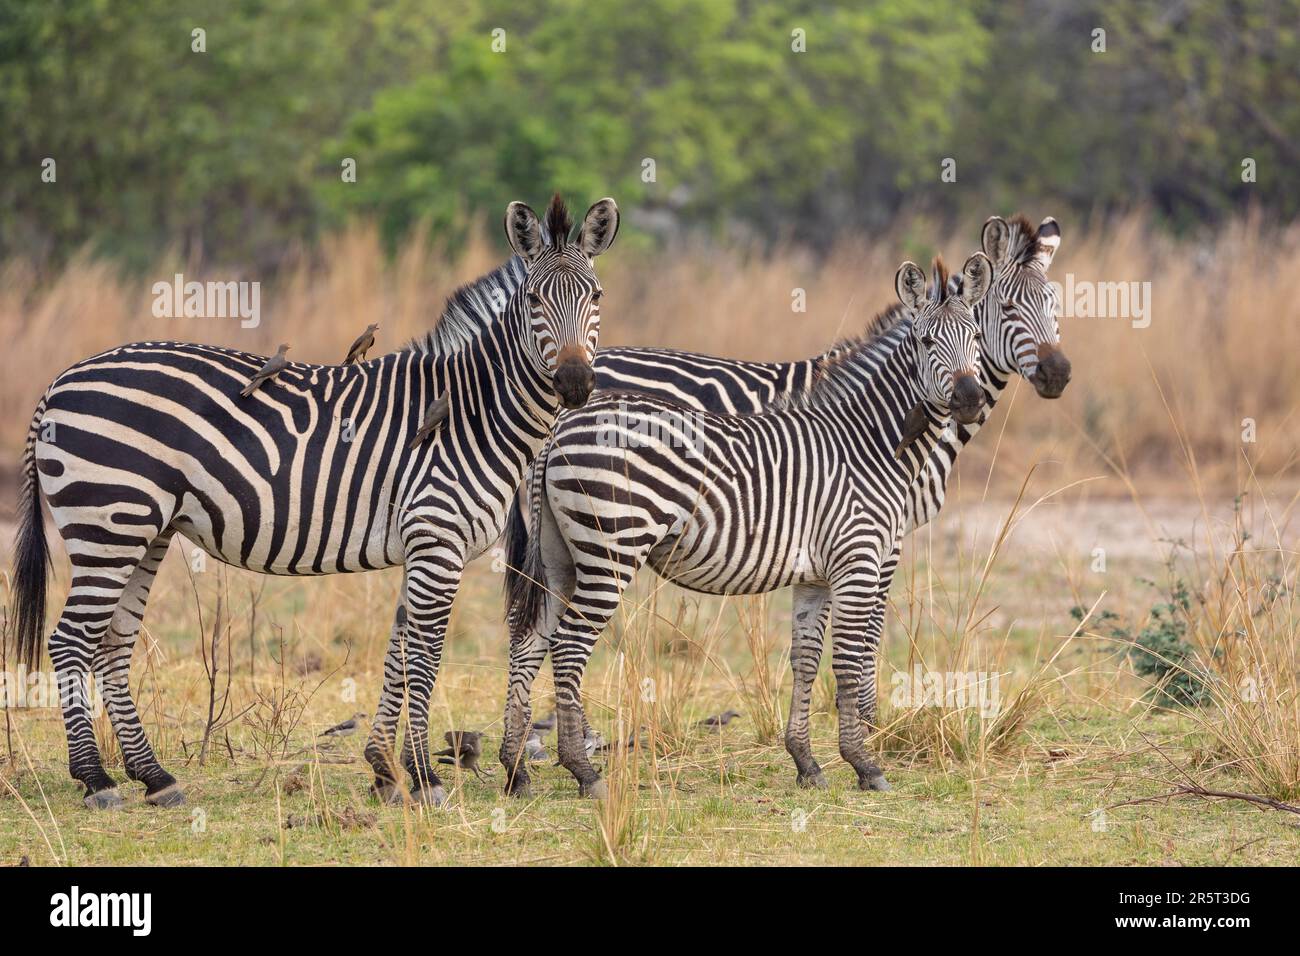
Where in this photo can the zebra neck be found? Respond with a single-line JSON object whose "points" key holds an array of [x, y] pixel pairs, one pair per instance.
{"points": [[498, 392]]}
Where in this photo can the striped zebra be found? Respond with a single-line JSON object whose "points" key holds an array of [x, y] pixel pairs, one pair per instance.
{"points": [[812, 495], [314, 473], [1018, 316]]}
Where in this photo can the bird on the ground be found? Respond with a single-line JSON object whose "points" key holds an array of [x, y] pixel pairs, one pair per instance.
{"points": [[434, 416], [603, 747], [546, 723], [535, 747], [347, 728], [464, 747], [720, 720], [364, 343], [273, 367]]}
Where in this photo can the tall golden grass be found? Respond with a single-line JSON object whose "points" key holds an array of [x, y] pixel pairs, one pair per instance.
{"points": [[1223, 343]]}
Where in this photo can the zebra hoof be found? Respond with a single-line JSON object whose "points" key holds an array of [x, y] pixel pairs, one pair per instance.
{"points": [[596, 790], [103, 800], [388, 793], [433, 796], [169, 796], [519, 787], [874, 781], [812, 781]]}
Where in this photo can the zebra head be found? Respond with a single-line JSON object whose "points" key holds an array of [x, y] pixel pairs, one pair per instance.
{"points": [[1019, 315], [946, 334], [560, 294]]}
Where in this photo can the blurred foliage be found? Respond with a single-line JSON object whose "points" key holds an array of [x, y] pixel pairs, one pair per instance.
{"points": [[234, 154]]}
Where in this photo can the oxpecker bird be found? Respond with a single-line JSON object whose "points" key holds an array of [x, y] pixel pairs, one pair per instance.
{"points": [[364, 343], [433, 417], [273, 367]]}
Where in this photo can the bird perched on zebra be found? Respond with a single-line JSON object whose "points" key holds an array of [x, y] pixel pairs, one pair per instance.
{"points": [[433, 416], [812, 495], [1019, 319], [276, 364], [363, 344], [316, 477]]}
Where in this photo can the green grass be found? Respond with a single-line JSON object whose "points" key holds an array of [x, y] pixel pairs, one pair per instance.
{"points": [[699, 798]]}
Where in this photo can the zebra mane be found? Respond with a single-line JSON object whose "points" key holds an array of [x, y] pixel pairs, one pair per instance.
{"points": [[836, 372], [1023, 240], [558, 222], [470, 310], [940, 285]]}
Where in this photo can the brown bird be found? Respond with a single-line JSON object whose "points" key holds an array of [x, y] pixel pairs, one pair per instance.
{"points": [[434, 416], [364, 343], [720, 720], [273, 367], [464, 747]]}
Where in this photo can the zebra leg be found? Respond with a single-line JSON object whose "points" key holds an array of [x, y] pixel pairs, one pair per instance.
{"points": [[381, 746], [867, 694], [528, 649], [594, 601], [851, 603], [112, 665], [529, 643], [811, 611], [97, 586], [433, 572]]}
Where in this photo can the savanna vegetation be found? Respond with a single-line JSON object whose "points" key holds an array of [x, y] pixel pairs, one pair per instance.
{"points": [[1123, 559]]}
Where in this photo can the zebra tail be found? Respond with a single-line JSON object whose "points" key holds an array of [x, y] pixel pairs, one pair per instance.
{"points": [[31, 556], [525, 572]]}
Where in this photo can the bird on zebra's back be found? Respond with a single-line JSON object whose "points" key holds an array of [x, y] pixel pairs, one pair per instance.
{"points": [[154, 440], [364, 343], [273, 367], [813, 494], [433, 417], [347, 728]]}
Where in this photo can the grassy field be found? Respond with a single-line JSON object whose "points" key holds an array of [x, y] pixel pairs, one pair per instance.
{"points": [[1041, 782], [1140, 460]]}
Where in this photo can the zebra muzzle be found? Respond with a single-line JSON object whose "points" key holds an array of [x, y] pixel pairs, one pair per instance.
{"points": [[967, 398], [574, 380], [1053, 372]]}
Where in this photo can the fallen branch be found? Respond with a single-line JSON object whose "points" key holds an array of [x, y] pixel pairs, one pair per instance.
{"points": [[1196, 790]]}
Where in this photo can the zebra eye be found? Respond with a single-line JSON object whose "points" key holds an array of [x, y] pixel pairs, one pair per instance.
{"points": [[927, 340], [534, 300], [595, 296], [979, 335]]}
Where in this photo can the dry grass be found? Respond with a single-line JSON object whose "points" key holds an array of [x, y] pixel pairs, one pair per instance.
{"points": [[1154, 408], [1223, 343]]}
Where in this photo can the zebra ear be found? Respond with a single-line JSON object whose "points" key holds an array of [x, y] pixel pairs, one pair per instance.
{"points": [[524, 231], [977, 273], [1049, 240], [909, 283], [599, 227], [996, 238]]}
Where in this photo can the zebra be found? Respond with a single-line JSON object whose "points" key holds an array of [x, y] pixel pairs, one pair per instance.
{"points": [[311, 474], [1018, 316], [812, 494]]}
